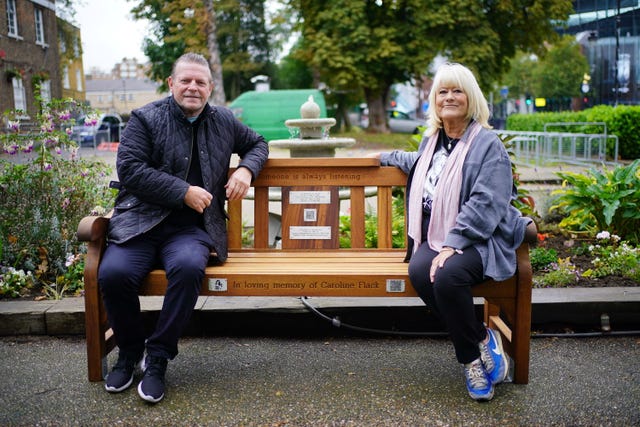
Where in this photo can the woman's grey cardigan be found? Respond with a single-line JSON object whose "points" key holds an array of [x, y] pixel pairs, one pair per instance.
{"points": [[486, 218]]}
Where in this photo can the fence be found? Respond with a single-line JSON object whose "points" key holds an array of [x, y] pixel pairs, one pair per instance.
{"points": [[578, 148]]}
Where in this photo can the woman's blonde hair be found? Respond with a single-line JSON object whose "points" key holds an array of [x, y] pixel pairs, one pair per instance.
{"points": [[457, 75]]}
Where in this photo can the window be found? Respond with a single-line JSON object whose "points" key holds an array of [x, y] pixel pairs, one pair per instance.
{"points": [[65, 78], [19, 95], [45, 91], [79, 86], [39, 27], [12, 18]]}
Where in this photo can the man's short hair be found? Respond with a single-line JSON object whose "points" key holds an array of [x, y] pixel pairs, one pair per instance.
{"points": [[193, 58]]}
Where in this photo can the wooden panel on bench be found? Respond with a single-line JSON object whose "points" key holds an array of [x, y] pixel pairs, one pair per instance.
{"points": [[292, 273], [321, 269]]}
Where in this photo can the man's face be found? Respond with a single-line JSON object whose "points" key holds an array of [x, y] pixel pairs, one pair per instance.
{"points": [[191, 87]]}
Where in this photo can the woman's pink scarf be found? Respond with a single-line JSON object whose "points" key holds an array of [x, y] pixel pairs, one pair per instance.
{"points": [[446, 199]]}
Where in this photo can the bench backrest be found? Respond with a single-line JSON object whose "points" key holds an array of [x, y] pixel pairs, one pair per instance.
{"points": [[310, 189]]}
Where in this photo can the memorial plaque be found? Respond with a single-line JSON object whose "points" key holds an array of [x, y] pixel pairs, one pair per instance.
{"points": [[310, 217]]}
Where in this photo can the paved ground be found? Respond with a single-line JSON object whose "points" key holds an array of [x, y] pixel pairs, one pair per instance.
{"points": [[329, 381]]}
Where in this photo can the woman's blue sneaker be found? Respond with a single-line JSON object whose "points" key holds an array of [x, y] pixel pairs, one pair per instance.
{"points": [[493, 357], [479, 385]]}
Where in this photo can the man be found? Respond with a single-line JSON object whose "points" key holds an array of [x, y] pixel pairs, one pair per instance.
{"points": [[173, 165]]}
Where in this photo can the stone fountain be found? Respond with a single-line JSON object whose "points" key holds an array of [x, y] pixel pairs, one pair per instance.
{"points": [[310, 134]]}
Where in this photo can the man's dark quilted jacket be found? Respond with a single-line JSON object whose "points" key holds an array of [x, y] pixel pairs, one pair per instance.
{"points": [[153, 163]]}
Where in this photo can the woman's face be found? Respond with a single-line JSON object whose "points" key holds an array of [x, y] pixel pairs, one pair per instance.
{"points": [[451, 104]]}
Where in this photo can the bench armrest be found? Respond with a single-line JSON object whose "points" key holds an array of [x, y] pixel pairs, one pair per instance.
{"points": [[93, 228], [531, 234]]}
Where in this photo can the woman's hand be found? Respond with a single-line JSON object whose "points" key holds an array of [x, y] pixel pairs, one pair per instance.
{"points": [[439, 260]]}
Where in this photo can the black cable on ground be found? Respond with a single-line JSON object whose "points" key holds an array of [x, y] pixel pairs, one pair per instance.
{"points": [[339, 324]]}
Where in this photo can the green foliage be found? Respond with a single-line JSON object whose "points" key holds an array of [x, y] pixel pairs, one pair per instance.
{"points": [[542, 258], [371, 226], [612, 257], [44, 192], [555, 75], [602, 200], [13, 283], [622, 121], [240, 33], [561, 274], [369, 46], [559, 72]]}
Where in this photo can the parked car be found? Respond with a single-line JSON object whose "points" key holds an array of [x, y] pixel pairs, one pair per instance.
{"points": [[400, 122], [107, 129]]}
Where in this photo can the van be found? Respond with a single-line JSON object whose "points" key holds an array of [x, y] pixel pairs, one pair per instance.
{"points": [[265, 112]]}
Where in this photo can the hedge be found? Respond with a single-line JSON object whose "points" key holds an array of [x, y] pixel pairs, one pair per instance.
{"points": [[623, 121]]}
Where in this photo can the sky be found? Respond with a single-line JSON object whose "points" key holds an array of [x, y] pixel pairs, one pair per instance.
{"points": [[109, 33]]}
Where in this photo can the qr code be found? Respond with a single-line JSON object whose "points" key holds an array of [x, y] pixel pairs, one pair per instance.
{"points": [[395, 285], [310, 215], [218, 285]]}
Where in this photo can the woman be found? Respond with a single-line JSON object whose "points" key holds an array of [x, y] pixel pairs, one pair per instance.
{"points": [[461, 226]]}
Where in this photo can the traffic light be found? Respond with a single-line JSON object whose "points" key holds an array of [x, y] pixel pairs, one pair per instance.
{"points": [[528, 100]]}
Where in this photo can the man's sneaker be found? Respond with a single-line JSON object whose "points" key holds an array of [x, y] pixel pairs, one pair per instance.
{"points": [[493, 357], [121, 375], [479, 385], [151, 388]]}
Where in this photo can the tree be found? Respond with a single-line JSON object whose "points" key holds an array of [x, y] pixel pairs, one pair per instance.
{"points": [[244, 43], [520, 77], [215, 62], [560, 72], [556, 76], [373, 44], [230, 33]]}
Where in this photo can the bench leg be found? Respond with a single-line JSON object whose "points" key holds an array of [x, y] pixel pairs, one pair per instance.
{"points": [[94, 335], [516, 339], [522, 335], [95, 317]]}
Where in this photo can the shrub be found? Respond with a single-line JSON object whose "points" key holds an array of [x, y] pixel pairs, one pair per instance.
{"points": [[371, 226], [606, 200], [612, 257], [13, 283], [561, 274], [542, 258], [623, 121], [43, 195]]}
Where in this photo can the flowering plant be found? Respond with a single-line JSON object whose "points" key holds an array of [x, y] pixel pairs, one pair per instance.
{"points": [[612, 256], [13, 282], [45, 189]]}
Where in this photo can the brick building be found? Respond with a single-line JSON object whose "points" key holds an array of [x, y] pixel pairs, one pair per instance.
{"points": [[28, 53]]}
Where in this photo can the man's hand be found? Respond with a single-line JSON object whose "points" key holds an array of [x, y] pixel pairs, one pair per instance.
{"points": [[197, 198], [238, 184]]}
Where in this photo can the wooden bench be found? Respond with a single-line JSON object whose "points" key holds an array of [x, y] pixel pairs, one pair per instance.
{"points": [[310, 263]]}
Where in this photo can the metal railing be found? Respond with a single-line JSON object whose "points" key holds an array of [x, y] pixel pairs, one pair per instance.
{"points": [[539, 148]]}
